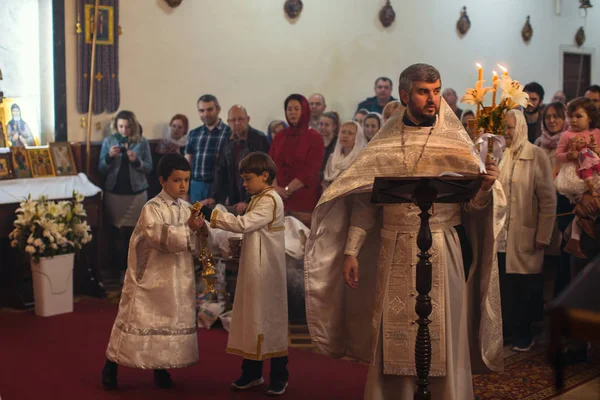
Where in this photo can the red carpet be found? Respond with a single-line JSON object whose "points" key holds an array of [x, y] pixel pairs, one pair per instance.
{"points": [[61, 357]]}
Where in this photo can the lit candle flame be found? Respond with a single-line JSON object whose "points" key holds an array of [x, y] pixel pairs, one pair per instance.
{"points": [[478, 65], [503, 69]]}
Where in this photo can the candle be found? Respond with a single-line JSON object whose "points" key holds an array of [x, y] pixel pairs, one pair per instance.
{"points": [[495, 82], [503, 69], [480, 71]]}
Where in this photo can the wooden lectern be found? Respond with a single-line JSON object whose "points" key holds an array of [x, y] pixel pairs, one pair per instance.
{"points": [[424, 191]]}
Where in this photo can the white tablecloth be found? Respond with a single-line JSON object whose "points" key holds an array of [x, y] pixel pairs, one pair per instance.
{"points": [[56, 187]]}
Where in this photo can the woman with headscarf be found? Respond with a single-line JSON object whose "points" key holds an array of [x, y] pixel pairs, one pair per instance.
{"points": [[176, 136], [372, 124], [554, 123], [298, 154], [526, 177], [274, 128], [351, 142], [329, 125]]}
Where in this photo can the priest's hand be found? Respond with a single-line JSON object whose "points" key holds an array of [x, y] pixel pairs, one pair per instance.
{"points": [[351, 271], [490, 177]]}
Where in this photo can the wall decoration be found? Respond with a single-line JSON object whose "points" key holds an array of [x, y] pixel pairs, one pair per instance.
{"points": [[527, 31], [20, 162], [41, 161], [580, 37], [173, 3], [106, 71], [16, 114], [293, 8], [62, 158], [464, 23], [6, 171], [387, 15]]}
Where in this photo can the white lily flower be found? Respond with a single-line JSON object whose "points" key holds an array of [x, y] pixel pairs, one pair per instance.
{"points": [[512, 92], [476, 95]]}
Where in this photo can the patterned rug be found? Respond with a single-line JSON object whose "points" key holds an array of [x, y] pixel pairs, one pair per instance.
{"points": [[529, 376]]}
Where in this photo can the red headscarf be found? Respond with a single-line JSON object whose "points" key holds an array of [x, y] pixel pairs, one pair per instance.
{"points": [[304, 121], [298, 153]]}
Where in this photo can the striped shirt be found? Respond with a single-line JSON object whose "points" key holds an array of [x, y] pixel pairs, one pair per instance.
{"points": [[204, 146]]}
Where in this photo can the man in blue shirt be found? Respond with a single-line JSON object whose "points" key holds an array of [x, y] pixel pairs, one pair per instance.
{"points": [[203, 146]]}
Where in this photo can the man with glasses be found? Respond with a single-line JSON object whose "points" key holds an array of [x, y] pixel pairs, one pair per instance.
{"points": [[244, 139]]}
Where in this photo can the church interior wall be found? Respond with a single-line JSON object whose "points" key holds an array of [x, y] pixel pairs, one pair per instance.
{"points": [[248, 52]]}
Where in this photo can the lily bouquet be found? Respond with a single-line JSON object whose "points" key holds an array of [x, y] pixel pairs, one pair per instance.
{"points": [[489, 126], [46, 228]]}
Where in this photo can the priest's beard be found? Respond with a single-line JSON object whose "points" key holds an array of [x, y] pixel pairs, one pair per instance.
{"points": [[418, 114]]}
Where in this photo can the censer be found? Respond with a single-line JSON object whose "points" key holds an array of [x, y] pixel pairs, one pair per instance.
{"points": [[209, 274]]}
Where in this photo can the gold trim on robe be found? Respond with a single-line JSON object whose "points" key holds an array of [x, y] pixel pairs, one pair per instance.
{"points": [[337, 315]]}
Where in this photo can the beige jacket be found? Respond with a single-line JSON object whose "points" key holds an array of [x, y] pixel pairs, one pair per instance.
{"points": [[533, 211]]}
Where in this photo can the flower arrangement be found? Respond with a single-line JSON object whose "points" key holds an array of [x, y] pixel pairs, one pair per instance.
{"points": [[489, 121], [46, 228]]}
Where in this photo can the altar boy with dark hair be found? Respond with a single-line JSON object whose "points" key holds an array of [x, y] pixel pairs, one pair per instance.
{"points": [[259, 324], [156, 324]]}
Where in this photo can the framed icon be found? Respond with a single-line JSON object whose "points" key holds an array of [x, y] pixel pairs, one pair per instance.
{"points": [[6, 171], [41, 162], [62, 158], [20, 162]]}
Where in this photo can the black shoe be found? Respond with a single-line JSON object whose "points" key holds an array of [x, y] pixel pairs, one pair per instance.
{"points": [[246, 383], [277, 388], [162, 379], [109, 377]]}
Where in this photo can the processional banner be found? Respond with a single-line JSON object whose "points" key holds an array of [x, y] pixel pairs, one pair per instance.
{"points": [[106, 71]]}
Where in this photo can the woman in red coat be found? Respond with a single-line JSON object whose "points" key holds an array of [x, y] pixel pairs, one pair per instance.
{"points": [[298, 154]]}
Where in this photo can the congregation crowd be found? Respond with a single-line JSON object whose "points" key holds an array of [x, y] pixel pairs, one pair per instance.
{"points": [[314, 146]]}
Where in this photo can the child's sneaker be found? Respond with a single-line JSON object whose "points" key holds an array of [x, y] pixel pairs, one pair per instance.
{"points": [[277, 388], [246, 383], [523, 345]]}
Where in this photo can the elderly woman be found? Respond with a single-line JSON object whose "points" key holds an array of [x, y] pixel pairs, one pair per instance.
{"points": [[298, 154], [351, 142], [526, 177], [274, 128]]}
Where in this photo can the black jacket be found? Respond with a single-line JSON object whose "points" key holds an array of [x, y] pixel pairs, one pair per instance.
{"points": [[228, 183]]}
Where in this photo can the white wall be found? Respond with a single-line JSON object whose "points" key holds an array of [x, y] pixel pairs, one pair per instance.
{"points": [[20, 57], [247, 52]]}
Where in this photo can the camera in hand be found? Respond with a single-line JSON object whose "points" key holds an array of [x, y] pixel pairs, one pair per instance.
{"points": [[123, 149]]}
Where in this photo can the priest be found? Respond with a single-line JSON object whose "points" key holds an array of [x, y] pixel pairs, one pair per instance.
{"points": [[373, 249]]}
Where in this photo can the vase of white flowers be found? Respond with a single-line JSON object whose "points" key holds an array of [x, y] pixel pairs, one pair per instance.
{"points": [[51, 232]]}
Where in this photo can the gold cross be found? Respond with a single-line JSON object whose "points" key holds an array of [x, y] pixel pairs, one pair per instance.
{"points": [[99, 76]]}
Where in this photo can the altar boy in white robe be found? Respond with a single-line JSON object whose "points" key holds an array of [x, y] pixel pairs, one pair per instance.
{"points": [[259, 324], [156, 324]]}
